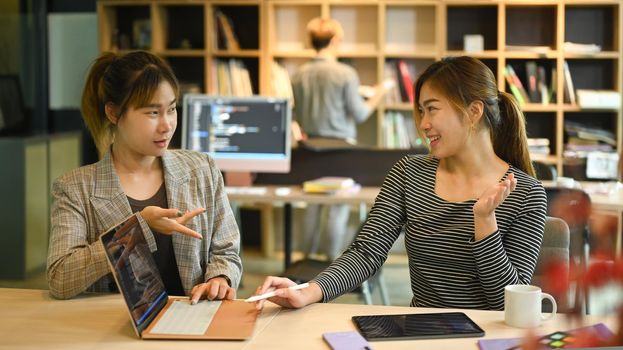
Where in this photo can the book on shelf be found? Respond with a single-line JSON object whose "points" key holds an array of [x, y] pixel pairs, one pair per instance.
{"points": [[515, 85], [553, 89], [581, 131], [226, 38], [569, 92], [393, 94], [528, 48], [330, 184], [399, 131], [598, 99], [531, 75], [232, 78], [544, 95], [405, 82], [281, 84], [538, 141], [572, 47]]}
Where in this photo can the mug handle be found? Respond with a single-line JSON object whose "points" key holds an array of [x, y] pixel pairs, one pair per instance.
{"points": [[554, 307]]}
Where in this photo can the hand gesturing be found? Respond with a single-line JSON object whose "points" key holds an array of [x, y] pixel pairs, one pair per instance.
{"points": [[167, 221]]}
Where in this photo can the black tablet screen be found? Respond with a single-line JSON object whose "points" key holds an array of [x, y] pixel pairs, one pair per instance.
{"points": [[417, 326]]}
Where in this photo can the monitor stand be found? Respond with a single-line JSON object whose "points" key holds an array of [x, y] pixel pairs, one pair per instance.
{"points": [[238, 178]]}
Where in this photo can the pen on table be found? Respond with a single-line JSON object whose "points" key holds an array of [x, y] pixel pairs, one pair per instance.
{"points": [[272, 294]]}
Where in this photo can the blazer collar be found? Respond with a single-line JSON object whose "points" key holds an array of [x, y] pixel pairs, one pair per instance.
{"points": [[175, 171], [107, 184]]}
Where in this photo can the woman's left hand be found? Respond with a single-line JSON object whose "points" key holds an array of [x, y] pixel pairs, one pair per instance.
{"points": [[494, 196], [216, 288]]}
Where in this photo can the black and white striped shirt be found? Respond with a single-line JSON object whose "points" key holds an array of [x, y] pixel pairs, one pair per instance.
{"points": [[447, 267]]}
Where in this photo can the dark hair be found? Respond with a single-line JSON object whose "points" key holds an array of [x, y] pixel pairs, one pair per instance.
{"points": [[322, 30], [466, 79], [128, 80], [320, 43]]}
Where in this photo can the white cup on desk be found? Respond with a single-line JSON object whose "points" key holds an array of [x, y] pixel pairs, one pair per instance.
{"points": [[522, 306]]}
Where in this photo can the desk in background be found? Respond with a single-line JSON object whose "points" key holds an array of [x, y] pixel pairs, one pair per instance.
{"points": [[363, 197], [612, 205], [31, 319]]}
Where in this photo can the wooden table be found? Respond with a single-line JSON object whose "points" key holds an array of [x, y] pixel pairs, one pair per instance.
{"points": [[30, 319]]}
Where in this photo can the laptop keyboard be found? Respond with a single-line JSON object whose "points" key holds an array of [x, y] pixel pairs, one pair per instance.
{"points": [[185, 319]]}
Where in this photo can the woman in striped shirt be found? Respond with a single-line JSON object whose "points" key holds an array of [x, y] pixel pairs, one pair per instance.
{"points": [[472, 212]]}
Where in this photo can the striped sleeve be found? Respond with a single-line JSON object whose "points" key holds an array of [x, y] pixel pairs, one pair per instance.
{"points": [[510, 256], [369, 250]]}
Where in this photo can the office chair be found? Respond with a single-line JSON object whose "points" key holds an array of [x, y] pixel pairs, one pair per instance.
{"points": [[555, 248], [573, 206], [544, 171]]}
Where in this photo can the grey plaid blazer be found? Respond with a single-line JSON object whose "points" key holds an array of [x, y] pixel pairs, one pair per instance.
{"points": [[89, 200]]}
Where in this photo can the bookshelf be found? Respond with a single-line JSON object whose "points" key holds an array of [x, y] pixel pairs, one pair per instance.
{"points": [[380, 36]]}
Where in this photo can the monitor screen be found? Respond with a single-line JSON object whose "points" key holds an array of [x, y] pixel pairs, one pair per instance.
{"points": [[240, 133]]}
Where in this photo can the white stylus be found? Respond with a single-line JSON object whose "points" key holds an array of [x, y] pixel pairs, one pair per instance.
{"points": [[272, 294]]}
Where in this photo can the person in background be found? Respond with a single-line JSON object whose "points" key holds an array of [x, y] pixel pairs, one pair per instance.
{"points": [[129, 105], [328, 104], [472, 212]]}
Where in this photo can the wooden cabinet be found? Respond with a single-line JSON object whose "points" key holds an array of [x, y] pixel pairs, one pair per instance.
{"points": [[381, 36]]}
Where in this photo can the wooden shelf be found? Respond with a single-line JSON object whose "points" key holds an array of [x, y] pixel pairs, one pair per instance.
{"points": [[378, 36]]}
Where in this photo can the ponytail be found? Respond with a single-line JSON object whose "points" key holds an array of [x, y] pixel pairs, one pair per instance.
{"points": [[93, 104], [509, 137]]}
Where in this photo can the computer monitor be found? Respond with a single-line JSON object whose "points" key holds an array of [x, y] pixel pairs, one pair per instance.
{"points": [[242, 134]]}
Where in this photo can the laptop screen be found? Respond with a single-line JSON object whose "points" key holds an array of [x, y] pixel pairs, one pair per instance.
{"points": [[135, 271]]}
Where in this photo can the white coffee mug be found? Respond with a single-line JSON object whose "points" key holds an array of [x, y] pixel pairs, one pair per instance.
{"points": [[522, 306]]}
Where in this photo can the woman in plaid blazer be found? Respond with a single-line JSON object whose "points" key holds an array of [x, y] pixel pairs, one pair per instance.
{"points": [[128, 104]]}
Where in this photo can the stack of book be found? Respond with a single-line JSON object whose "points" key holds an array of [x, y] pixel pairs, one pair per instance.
{"points": [[538, 148], [330, 184], [582, 139]]}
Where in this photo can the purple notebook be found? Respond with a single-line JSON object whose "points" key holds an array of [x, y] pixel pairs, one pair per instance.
{"points": [[346, 341], [554, 340]]}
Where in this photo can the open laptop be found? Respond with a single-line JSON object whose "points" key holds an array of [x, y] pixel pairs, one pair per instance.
{"points": [[156, 315]]}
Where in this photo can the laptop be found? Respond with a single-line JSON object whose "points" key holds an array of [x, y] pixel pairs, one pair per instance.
{"points": [[156, 315]]}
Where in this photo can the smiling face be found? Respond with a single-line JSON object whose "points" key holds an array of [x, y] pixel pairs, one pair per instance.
{"points": [[147, 130], [445, 128]]}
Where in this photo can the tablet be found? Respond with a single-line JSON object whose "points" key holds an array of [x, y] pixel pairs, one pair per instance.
{"points": [[417, 326]]}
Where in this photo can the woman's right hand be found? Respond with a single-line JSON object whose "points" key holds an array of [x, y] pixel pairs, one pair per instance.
{"points": [[167, 221], [288, 297]]}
